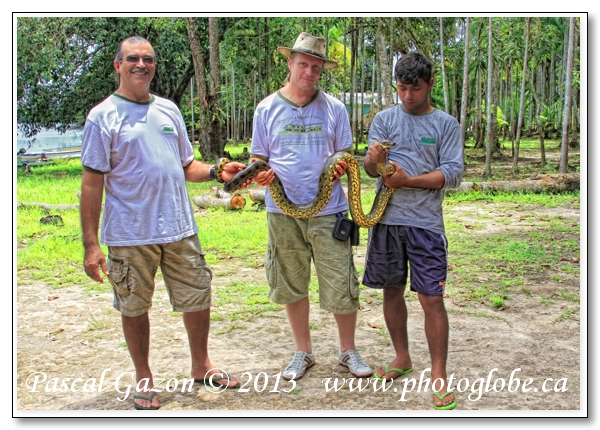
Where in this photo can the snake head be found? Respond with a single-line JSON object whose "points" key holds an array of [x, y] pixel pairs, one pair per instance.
{"points": [[387, 144]]}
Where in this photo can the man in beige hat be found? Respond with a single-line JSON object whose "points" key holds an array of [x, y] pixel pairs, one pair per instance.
{"points": [[296, 130]]}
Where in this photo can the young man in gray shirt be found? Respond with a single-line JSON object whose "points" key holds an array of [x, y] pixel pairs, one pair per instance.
{"points": [[428, 157]]}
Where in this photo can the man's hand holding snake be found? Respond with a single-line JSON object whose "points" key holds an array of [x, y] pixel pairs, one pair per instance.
{"points": [[231, 169], [340, 170], [397, 180], [265, 177]]}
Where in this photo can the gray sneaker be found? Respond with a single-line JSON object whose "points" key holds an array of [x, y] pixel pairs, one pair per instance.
{"points": [[353, 361], [297, 367]]}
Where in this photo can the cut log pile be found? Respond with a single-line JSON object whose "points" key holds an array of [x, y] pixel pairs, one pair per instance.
{"points": [[220, 199], [536, 183]]}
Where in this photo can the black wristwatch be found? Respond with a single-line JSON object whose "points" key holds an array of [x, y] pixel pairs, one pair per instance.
{"points": [[212, 173]]}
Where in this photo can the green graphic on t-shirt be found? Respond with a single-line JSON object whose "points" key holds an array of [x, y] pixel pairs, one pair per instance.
{"points": [[302, 129]]}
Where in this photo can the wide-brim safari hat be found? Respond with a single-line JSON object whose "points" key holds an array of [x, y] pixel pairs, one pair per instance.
{"points": [[310, 45]]}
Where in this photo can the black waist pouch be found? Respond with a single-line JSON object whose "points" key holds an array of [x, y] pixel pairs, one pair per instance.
{"points": [[345, 229]]}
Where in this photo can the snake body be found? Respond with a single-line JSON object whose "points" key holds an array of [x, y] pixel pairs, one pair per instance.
{"points": [[325, 188]]}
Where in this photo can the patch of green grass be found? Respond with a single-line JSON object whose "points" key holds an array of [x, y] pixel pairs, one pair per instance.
{"points": [[515, 199], [251, 300], [386, 337], [567, 314], [228, 329], [498, 302], [480, 314], [569, 296], [98, 323]]}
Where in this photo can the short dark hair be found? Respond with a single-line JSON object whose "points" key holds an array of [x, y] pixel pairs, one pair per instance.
{"points": [[411, 67], [132, 39]]}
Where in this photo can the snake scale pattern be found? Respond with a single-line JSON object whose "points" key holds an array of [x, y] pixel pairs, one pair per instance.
{"points": [[325, 187]]}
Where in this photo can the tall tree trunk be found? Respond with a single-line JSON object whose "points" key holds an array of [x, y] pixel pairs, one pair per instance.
{"points": [[465, 87], [216, 132], [362, 83], [444, 79], [551, 87], [564, 145], [353, 52], [540, 128], [563, 72], [478, 102], [211, 140], [267, 58], [200, 76], [488, 154], [233, 118], [383, 65], [515, 166]]}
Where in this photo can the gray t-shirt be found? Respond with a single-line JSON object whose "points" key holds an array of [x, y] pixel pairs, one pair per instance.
{"points": [[298, 140], [424, 143], [141, 148]]}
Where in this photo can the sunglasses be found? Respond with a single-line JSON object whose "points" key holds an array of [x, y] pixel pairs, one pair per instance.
{"points": [[134, 59]]}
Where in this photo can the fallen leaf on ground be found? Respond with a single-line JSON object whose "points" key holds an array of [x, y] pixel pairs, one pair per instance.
{"points": [[375, 325]]}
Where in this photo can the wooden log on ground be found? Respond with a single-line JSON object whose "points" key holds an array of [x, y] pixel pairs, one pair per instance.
{"points": [[257, 196], [219, 193], [235, 202], [537, 183], [463, 187]]}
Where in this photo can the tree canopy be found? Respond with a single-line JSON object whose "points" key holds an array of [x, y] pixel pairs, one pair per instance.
{"points": [[65, 67]]}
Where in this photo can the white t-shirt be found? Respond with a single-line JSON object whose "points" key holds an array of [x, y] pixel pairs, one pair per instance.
{"points": [[298, 141], [142, 149]]}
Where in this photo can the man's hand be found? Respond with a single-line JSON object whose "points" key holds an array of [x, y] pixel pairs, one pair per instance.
{"points": [[340, 169], [231, 169], [265, 177], [377, 154], [397, 180], [427, 181], [93, 258]]}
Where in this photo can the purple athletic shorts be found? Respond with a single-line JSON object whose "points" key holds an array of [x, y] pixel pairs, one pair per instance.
{"points": [[393, 248]]}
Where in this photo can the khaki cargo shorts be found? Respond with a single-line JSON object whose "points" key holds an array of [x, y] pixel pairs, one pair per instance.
{"points": [[293, 243], [186, 274]]}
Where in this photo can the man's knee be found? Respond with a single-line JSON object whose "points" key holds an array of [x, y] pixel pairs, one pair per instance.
{"points": [[434, 304], [394, 293]]}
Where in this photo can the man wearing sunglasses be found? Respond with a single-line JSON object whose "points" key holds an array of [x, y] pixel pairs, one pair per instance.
{"points": [[135, 146]]}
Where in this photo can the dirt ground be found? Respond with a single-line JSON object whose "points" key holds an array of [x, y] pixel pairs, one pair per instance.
{"points": [[56, 346]]}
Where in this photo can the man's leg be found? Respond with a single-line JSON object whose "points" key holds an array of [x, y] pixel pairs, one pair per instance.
{"points": [[436, 331], [346, 328], [298, 313], [137, 336], [197, 325], [396, 316]]}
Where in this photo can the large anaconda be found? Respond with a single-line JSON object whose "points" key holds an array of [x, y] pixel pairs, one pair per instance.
{"points": [[325, 187]]}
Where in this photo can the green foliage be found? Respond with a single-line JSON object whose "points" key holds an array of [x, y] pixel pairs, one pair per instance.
{"points": [[65, 65]]}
